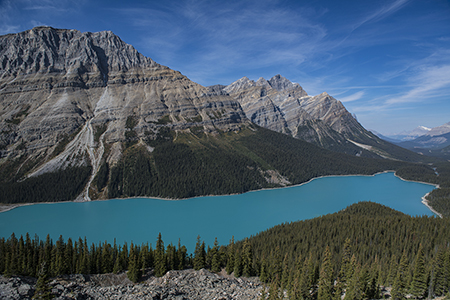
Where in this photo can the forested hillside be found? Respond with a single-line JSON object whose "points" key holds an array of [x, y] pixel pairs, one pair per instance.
{"points": [[193, 164], [356, 251]]}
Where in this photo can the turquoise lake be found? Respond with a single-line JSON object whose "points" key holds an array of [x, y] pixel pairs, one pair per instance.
{"points": [[141, 219]]}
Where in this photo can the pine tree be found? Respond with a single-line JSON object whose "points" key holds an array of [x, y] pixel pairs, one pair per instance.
{"points": [[182, 253], [285, 272], [237, 265], [373, 288], [143, 258], [274, 289], [43, 290], [326, 277], [106, 264], [347, 266], [294, 289], [419, 279], [160, 261], [263, 273], [116, 268], [230, 257], [133, 273], [355, 288], [215, 261], [247, 259], [400, 283], [392, 274], [199, 255], [307, 278]]}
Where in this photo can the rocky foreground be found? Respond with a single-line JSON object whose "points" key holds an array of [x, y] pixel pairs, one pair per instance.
{"points": [[186, 284]]}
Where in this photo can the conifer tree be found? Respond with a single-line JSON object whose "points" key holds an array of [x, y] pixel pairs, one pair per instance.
{"points": [[199, 255], [294, 288], [419, 279], [347, 262], [171, 257], [116, 268], [160, 261], [230, 257], [274, 289], [400, 282], [215, 261], [247, 259], [373, 288], [326, 277], [105, 259], [133, 269], [276, 263], [237, 264], [143, 258], [355, 288], [43, 290], [392, 273], [263, 273], [182, 253], [285, 272], [307, 281]]}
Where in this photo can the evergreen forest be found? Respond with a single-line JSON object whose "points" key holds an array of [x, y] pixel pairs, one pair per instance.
{"points": [[184, 165], [356, 253]]}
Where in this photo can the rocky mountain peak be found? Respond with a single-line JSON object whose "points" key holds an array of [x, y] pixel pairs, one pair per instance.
{"points": [[47, 50], [240, 84], [280, 83], [262, 82], [97, 92]]}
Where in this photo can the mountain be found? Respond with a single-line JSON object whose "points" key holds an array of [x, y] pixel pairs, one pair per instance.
{"points": [[435, 139], [85, 116], [283, 106], [409, 135], [71, 99]]}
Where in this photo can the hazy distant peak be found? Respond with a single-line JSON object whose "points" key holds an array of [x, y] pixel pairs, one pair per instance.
{"points": [[443, 129]]}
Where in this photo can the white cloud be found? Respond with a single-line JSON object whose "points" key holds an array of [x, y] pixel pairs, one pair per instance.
{"points": [[429, 82], [381, 13], [353, 97]]}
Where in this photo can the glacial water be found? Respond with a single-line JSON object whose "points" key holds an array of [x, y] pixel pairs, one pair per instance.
{"points": [[141, 219]]}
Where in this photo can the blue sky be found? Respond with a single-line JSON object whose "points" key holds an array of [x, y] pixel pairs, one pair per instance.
{"points": [[387, 61]]}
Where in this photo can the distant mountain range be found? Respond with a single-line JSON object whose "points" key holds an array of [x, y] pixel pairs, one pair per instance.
{"points": [[89, 114], [429, 141]]}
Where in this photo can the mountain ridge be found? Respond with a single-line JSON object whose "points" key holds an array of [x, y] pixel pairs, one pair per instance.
{"points": [[283, 106], [77, 103]]}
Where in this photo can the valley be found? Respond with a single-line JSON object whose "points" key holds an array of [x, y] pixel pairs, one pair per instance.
{"points": [[84, 116]]}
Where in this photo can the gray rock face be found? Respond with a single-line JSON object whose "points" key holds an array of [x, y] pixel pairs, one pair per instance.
{"points": [[283, 106], [55, 83], [186, 284]]}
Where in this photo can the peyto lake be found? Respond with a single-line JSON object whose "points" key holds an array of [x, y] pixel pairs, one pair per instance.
{"points": [[141, 219]]}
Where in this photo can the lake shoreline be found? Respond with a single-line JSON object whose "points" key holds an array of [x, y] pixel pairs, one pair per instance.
{"points": [[4, 207]]}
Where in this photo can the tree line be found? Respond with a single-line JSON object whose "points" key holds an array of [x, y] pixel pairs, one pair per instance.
{"points": [[355, 252]]}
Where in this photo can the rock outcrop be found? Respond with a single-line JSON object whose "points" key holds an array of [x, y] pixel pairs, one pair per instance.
{"points": [[186, 284], [92, 90], [283, 106]]}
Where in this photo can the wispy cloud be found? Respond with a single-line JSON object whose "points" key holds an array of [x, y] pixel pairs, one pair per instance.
{"points": [[230, 35], [352, 97], [381, 13], [429, 82]]}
